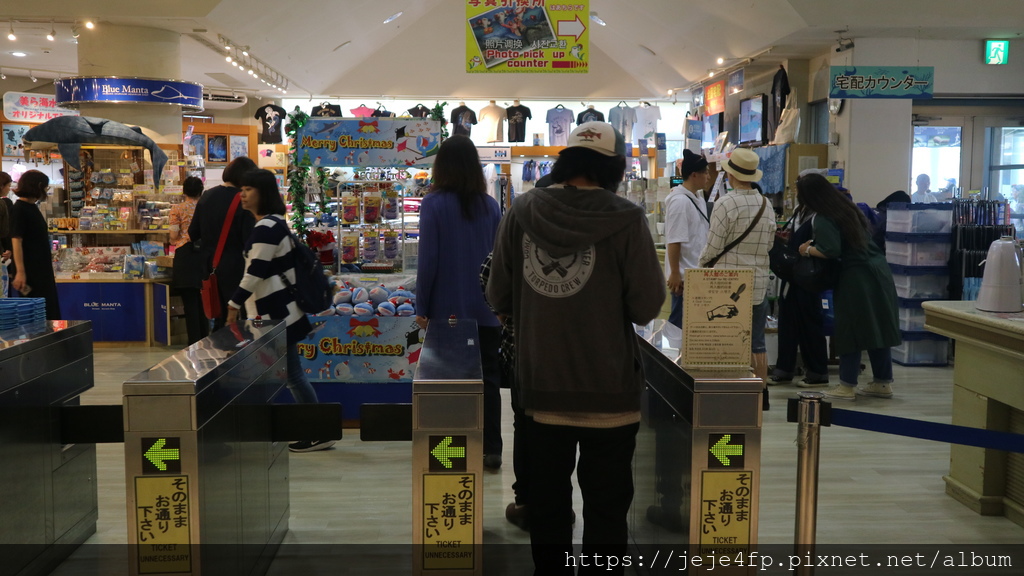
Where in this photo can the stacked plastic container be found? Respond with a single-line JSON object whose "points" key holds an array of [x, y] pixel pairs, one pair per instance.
{"points": [[16, 312], [918, 238]]}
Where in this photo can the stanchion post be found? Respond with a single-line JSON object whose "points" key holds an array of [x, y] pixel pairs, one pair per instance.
{"points": [[809, 409]]}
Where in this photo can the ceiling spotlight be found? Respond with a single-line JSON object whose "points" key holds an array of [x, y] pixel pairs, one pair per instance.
{"points": [[89, 24], [245, 51], [10, 34], [53, 32], [711, 73], [227, 46], [241, 68], [235, 64], [2, 75], [720, 60], [31, 75], [597, 19], [229, 59], [670, 91]]}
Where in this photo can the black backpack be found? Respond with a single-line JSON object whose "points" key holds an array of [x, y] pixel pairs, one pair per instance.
{"points": [[312, 290]]}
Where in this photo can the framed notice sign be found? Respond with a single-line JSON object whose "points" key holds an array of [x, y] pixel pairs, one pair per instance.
{"points": [[717, 317]]}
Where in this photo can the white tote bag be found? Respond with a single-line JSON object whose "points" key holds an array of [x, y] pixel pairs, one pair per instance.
{"points": [[789, 122]]}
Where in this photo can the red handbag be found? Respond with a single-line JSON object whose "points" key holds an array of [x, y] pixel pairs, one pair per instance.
{"points": [[209, 291]]}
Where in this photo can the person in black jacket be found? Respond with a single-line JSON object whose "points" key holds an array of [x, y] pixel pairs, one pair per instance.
{"points": [[206, 226], [30, 239], [5, 227]]}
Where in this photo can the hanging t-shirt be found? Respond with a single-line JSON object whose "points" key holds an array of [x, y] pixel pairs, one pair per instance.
{"points": [[419, 111], [559, 126], [326, 110], [491, 119], [362, 112], [517, 116], [382, 113], [462, 120], [271, 117], [589, 115], [646, 123], [622, 119]]}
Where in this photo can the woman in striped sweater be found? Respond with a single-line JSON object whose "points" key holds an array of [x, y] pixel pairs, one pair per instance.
{"points": [[268, 256]]}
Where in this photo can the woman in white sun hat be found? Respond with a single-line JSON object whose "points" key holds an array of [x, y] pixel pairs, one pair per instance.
{"points": [[743, 209]]}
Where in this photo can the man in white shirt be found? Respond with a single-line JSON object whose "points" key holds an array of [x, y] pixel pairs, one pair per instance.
{"points": [[686, 232], [923, 194]]}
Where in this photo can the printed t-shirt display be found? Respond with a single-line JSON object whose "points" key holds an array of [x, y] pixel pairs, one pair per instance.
{"points": [[326, 110], [646, 123], [559, 125], [589, 115], [382, 113], [419, 111], [517, 116], [462, 120], [271, 117], [490, 120], [622, 119], [362, 111]]}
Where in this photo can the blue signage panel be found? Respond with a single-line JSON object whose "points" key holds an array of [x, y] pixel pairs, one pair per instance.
{"points": [[354, 349], [117, 310], [92, 89], [881, 81], [366, 142], [161, 314]]}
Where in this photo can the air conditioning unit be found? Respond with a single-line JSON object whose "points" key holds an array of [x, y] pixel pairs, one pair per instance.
{"points": [[221, 101]]}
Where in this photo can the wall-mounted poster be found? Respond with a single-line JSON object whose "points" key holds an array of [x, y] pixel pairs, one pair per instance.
{"points": [[198, 144], [12, 138], [217, 149], [238, 146]]}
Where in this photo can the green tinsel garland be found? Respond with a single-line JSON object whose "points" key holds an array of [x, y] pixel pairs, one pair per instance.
{"points": [[298, 172]]}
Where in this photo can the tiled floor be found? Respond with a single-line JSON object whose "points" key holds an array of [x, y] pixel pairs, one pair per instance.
{"points": [[874, 488]]}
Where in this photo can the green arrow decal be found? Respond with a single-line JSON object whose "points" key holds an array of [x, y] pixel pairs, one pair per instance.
{"points": [[444, 451], [722, 450], [157, 454]]}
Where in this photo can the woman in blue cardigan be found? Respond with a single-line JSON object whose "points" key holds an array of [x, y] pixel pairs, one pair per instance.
{"points": [[458, 223]]}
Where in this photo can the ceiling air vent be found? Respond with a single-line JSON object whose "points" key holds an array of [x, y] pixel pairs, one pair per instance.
{"points": [[221, 101]]}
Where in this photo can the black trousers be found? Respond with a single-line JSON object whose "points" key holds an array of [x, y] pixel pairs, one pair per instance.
{"points": [[605, 477], [801, 325], [196, 323], [490, 342]]}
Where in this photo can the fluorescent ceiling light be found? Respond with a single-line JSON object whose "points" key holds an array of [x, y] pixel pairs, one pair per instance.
{"points": [[393, 17], [19, 54], [597, 19]]}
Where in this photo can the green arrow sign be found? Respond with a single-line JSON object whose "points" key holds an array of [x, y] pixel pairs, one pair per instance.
{"points": [[722, 450], [161, 455], [444, 449]]}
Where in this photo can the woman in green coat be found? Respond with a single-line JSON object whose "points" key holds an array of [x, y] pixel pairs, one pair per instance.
{"points": [[864, 296]]}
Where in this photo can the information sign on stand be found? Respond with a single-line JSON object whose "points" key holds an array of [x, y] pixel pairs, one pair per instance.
{"points": [[717, 317]]}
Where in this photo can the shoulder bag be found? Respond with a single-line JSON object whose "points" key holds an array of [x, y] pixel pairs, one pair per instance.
{"points": [[782, 258], [210, 292], [711, 263]]}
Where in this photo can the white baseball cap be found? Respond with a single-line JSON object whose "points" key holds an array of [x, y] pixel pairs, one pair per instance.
{"points": [[599, 137]]}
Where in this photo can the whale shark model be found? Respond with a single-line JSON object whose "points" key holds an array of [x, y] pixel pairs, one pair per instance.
{"points": [[70, 132]]}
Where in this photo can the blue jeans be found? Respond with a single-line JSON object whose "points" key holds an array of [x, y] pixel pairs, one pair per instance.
{"points": [[302, 391], [881, 366], [760, 318]]}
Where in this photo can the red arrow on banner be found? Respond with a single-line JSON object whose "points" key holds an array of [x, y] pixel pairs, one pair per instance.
{"points": [[572, 27]]}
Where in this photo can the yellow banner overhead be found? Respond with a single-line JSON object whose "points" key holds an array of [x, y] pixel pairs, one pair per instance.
{"points": [[527, 36]]}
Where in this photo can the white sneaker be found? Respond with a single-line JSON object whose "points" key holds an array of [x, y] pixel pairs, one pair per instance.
{"points": [[840, 392], [878, 389]]}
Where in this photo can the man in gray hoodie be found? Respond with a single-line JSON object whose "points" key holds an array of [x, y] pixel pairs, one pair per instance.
{"points": [[575, 267]]}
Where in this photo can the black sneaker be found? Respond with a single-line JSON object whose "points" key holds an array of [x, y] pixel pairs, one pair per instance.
{"points": [[307, 446]]}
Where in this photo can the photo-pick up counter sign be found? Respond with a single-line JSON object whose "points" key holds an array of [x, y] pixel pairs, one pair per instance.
{"points": [[725, 450], [161, 456], [447, 453]]}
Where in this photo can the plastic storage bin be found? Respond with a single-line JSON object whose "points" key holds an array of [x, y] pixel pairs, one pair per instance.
{"points": [[928, 282], [921, 349], [919, 218], [917, 249]]}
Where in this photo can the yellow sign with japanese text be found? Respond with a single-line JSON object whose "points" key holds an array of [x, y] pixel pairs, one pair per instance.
{"points": [[528, 36], [725, 510], [449, 521], [162, 519], [717, 314]]}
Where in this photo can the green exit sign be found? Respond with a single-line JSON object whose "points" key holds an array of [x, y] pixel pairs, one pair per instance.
{"points": [[997, 51]]}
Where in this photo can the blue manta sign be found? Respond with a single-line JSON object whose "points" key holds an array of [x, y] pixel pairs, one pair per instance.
{"points": [[71, 92]]}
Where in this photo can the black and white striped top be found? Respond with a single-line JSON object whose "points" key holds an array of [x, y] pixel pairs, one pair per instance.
{"points": [[268, 254]]}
